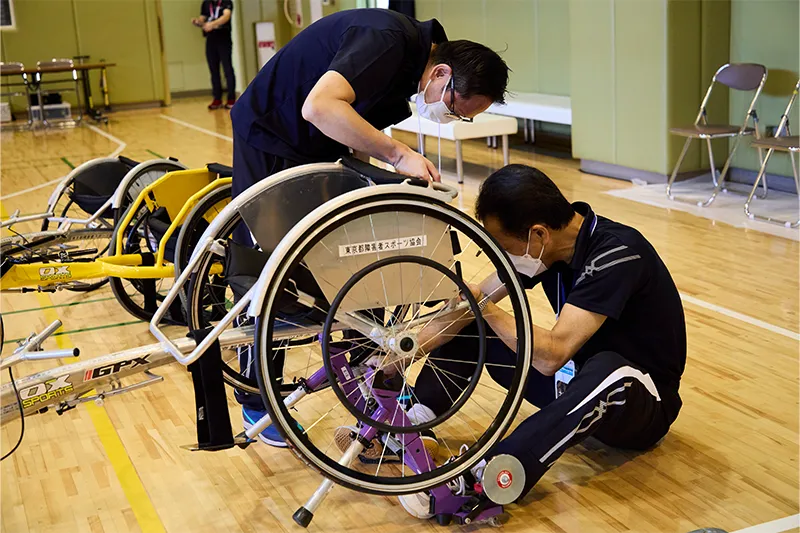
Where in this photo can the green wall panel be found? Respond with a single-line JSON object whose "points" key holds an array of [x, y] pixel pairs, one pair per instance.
{"points": [[126, 35], [684, 77], [185, 46], [510, 30], [714, 52], [120, 37], [44, 29], [640, 84], [533, 36], [552, 47], [766, 32], [428, 9], [463, 19], [592, 80]]}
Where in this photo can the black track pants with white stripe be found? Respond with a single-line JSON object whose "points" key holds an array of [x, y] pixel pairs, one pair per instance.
{"points": [[609, 399]]}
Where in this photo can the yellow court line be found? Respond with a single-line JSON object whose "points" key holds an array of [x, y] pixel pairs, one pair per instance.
{"points": [[131, 483]]}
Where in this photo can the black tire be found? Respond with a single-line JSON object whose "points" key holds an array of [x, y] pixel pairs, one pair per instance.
{"points": [[89, 286], [37, 244], [194, 226], [119, 286], [133, 244], [290, 423], [101, 245]]}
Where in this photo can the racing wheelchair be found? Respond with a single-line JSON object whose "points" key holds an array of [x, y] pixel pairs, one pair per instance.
{"points": [[349, 273], [135, 238], [79, 219]]}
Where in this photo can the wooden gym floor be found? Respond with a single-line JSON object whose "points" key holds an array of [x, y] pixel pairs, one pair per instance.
{"points": [[731, 460]]}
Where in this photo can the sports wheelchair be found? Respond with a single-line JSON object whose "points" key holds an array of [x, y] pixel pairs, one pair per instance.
{"points": [[347, 272], [140, 230], [79, 219]]}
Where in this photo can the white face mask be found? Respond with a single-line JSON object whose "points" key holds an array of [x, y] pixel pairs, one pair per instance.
{"points": [[527, 265], [437, 111]]}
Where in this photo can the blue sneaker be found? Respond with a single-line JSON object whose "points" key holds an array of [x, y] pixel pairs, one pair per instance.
{"points": [[270, 435]]}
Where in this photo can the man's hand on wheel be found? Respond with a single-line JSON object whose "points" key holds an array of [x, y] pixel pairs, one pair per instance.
{"points": [[412, 163], [476, 291]]}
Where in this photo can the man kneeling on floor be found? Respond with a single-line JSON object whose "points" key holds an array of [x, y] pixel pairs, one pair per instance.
{"points": [[620, 329]]}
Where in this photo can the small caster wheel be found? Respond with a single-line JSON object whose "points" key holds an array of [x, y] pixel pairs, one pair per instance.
{"points": [[444, 519], [303, 517]]}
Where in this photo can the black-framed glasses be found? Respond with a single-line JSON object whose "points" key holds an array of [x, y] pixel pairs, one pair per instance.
{"points": [[452, 114]]}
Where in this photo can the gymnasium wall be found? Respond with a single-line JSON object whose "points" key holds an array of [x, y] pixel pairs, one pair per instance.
{"points": [[633, 68], [254, 11], [185, 46], [532, 35], [640, 67], [120, 31], [766, 32]]}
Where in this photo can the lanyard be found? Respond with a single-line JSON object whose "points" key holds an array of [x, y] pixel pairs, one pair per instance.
{"points": [[561, 295], [213, 14]]}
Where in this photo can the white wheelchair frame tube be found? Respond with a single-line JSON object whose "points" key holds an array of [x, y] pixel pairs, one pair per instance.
{"points": [[115, 200], [253, 299]]}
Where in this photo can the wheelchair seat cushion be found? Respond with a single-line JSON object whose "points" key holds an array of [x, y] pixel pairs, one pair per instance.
{"points": [[92, 187]]}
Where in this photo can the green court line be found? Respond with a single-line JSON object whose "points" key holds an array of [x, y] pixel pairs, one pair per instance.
{"points": [[70, 165], [57, 305], [155, 154], [82, 330]]}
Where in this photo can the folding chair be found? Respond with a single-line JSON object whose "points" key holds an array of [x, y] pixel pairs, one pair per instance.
{"points": [[39, 82], [11, 89], [783, 141], [738, 76]]}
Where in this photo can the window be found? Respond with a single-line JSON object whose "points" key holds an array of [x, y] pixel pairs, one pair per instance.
{"points": [[7, 14]]}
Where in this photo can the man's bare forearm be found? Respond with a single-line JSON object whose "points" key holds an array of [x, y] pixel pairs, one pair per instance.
{"points": [[342, 123], [443, 329]]}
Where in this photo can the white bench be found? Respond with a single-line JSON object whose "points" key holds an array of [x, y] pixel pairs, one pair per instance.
{"points": [[484, 126], [534, 106]]}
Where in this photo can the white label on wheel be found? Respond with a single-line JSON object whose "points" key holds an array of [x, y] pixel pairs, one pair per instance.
{"points": [[388, 245]]}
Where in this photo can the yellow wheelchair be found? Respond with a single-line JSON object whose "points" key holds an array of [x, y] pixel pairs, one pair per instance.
{"points": [[152, 239]]}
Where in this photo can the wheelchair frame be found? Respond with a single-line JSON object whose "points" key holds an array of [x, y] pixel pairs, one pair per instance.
{"points": [[67, 386], [105, 372], [66, 222], [253, 301], [183, 184]]}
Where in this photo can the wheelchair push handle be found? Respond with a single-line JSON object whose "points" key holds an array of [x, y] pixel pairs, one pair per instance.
{"points": [[380, 176], [34, 343]]}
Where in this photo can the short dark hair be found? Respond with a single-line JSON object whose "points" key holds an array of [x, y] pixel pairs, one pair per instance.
{"points": [[520, 196], [477, 70]]}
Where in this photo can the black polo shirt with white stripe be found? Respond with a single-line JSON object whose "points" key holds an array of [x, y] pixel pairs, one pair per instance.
{"points": [[617, 273]]}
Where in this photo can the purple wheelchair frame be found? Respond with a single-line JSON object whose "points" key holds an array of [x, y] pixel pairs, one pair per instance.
{"points": [[446, 505]]}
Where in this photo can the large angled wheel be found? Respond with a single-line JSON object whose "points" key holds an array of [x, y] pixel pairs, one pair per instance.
{"points": [[372, 257], [131, 292], [92, 184], [208, 296]]}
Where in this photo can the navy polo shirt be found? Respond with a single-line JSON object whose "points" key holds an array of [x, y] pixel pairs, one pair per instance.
{"points": [[382, 54], [617, 273]]}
